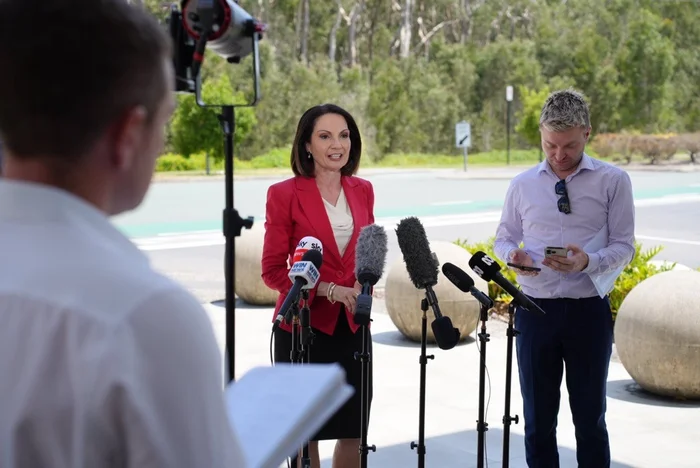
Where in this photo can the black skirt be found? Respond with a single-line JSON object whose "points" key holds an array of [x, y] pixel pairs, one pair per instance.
{"points": [[340, 348]]}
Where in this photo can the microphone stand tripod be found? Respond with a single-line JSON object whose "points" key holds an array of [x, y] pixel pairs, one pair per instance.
{"points": [[481, 425], [507, 419], [420, 446], [362, 318], [307, 339], [295, 354]]}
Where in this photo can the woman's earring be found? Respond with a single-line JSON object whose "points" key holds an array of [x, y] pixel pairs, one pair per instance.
{"points": [[308, 154]]}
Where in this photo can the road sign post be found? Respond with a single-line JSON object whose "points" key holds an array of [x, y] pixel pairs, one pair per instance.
{"points": [[509, 100], [463, 138]]}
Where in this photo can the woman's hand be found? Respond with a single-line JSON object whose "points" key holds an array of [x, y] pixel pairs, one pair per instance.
{"points": [[348, 296]]}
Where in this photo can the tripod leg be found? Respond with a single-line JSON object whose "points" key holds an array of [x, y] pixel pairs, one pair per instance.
{"points": [[482, 426], [365, 358], [306, 340], [507, 418]]}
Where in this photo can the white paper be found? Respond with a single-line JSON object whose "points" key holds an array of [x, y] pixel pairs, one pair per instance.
{"points": [[604, 282], [275, 410]]}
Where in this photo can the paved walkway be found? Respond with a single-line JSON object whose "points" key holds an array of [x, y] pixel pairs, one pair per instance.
{"points": [[645, 431]]}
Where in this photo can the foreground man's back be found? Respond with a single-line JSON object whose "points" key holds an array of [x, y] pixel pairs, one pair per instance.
{"points": [[103, 361]]}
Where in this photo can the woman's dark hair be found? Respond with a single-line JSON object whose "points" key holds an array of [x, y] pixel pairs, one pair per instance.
{"points": [[303, 165]]}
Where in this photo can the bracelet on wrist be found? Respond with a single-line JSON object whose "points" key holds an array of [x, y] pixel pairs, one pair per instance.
{"points": [[331, 288]]}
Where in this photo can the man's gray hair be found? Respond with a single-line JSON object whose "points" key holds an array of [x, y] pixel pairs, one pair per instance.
{"points": [[563, 110]]}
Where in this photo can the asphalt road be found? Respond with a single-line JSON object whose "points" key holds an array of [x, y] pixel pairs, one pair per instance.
{"points": [[179, 224]]}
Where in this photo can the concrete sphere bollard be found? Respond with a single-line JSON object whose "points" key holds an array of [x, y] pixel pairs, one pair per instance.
{"points": [[657, 334], [403, 299], [248, 283]]}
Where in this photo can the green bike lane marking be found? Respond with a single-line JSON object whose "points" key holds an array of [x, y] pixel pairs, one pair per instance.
{"points": [[184, 227]]}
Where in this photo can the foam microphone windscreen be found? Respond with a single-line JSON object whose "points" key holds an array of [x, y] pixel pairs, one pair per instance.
{"points": [[370, 254], [420, 264]]}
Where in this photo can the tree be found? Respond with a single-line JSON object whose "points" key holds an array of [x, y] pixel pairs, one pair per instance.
{"points": [[408, 70], [528, 117], [195, 129]]}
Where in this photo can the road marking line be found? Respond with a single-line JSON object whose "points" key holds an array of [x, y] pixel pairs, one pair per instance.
{"points": [[669, 240], [214, 238], [209, 238], [668, 200], [448, 203]]}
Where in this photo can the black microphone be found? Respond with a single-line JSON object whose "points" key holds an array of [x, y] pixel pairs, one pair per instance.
{"points": [[304, 275], [488, 269], [465, 283], [422, 269], [370, 257]]}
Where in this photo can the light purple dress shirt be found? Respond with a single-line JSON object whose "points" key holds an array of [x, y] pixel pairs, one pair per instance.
{"points": [[599, 193]]}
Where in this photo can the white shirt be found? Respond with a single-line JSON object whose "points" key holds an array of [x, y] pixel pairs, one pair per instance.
{"points": [[341, 221], [600, 194], [103, 361]]}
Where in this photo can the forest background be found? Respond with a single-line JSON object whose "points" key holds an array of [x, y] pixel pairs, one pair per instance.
{"points": [[409, 70]]}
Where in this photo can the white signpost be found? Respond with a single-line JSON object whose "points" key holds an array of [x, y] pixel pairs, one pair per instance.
{"points": [[463, 138]]}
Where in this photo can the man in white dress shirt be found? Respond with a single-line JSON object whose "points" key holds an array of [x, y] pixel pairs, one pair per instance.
{"points": [[103, 361], [586, 206]]}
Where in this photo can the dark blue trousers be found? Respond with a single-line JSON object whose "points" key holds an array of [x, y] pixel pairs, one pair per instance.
{"points": [[576, 333]]}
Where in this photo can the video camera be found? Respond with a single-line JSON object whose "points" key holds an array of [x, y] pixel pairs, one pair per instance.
{"points": [[221, 26]]}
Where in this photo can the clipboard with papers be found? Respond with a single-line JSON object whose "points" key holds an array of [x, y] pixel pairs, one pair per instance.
{"points": [[603, 282], [274, 410]]}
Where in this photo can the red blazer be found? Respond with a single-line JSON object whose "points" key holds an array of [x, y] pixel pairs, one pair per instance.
{"points": [[294, 210]]}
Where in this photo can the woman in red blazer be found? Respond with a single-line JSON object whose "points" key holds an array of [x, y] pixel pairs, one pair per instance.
{"points": [[326, 201]]}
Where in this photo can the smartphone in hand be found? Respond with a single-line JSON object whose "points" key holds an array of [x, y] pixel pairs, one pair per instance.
{"points": [[555, 252], [523, 267]]}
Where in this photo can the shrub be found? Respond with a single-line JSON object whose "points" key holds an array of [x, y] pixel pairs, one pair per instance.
{"points": [[653, 148], [690, 142], [174, 162], [278, 157], [197, 129], [637, 271]]}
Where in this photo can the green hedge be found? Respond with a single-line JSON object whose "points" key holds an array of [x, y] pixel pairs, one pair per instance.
{"points": [[637, 271], [170, 162], [279, 158]]}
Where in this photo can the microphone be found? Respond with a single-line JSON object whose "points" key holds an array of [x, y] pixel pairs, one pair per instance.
{"points": [[304, 275], [488, 269], [422, 268], [370, 257], [465, 283], [305, 244]]}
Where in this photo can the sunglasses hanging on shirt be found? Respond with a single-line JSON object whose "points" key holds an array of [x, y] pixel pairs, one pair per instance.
{"points": [[563, 202]]}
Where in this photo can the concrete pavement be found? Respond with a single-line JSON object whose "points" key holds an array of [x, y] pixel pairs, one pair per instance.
{"points": [[645, 431]]}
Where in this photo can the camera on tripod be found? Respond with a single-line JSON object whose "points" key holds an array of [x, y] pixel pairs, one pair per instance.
{"points": [[221, 26]]}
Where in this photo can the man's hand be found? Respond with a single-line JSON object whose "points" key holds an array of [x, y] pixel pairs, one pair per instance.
{"points": [[520, 257], [574, 263]]}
